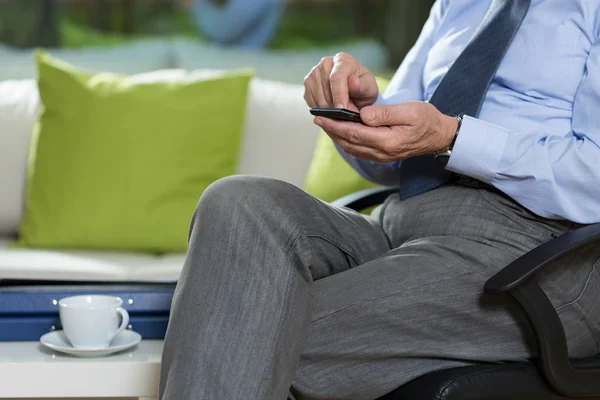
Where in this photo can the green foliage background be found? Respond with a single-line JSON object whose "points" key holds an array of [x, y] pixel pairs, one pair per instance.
{"points": [[306, 24]]}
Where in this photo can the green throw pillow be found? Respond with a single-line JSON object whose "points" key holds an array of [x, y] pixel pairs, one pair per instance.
{"points": [[121, 165], [329, 177]]}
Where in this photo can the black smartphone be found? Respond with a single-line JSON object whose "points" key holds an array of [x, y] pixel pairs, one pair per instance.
{"points": [[336, 113]]}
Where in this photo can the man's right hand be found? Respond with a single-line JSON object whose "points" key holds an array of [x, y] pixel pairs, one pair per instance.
{"points": [[340, 82]]}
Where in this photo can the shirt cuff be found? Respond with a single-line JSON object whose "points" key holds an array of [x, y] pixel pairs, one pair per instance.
{"points": [[478, 149]]}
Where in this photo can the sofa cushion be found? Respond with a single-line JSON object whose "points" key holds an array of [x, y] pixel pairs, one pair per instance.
{"points": [[279, 136], [121, 165], [18, 104], [329, 176], [73, 265]]}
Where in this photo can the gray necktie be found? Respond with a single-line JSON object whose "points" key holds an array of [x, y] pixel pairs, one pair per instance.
{"points": [[463, 88]]}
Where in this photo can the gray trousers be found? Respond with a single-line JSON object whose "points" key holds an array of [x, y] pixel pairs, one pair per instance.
{"points": [[284, 295]]}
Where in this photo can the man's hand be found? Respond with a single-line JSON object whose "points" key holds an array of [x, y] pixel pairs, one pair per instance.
{"points": [[394, 132], [340, 82]]}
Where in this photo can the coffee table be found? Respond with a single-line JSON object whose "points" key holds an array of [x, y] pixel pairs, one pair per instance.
{"points": [[29, 370]]}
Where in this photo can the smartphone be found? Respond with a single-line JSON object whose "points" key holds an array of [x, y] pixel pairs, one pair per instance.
{"points": [[336, 113]]}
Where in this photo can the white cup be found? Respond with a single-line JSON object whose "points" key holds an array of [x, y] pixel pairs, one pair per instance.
{"points": [[92, 321]]}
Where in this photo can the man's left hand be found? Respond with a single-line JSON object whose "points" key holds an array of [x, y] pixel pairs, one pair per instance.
{"points": [[392, 133]]}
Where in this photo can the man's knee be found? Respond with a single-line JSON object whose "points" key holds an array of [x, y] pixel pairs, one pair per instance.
{"points": [[243, 191], [242, 200]]}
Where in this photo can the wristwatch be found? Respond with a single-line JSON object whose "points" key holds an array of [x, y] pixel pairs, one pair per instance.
{"points": [[444, 156]]}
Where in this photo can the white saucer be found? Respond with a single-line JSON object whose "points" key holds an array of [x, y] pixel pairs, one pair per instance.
{"points": [[58, 341]]}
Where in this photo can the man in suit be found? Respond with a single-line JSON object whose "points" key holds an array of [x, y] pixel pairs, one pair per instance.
{"points": [[491, 131]]}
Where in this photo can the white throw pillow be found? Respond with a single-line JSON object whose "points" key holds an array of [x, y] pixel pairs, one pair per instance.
{"points": [[19, 100], [130, 58], [277, 65], [279, 135]]}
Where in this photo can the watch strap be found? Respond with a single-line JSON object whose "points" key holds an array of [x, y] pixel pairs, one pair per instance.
{"points": [[460, 121], [444, 155]]}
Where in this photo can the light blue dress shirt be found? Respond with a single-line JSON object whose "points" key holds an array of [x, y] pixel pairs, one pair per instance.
{"points": [[537, 137]]}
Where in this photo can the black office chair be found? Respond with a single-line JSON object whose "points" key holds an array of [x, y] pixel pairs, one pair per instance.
{"points": [[552, 376]]}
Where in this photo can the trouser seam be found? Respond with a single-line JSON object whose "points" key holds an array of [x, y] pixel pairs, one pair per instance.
{"points": [[291, 242], [381, 216], [592, 333], [384, 206], [331, 240], [587, 282]]}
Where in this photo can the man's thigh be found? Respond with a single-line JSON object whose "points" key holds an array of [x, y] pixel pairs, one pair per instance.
{"points": [[421, 307], [416, 309]]}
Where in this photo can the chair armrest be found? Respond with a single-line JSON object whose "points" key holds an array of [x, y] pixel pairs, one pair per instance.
{"points": [[553, 358], [365, 198], [526, 266]]}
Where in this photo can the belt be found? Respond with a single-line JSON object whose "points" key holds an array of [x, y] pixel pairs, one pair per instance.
{"points": [[471, 182]]}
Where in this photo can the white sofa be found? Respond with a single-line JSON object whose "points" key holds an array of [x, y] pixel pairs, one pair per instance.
{"points": [[279, 138]]}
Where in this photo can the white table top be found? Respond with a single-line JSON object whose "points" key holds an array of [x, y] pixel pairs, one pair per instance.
{"points": [[27, 369]]}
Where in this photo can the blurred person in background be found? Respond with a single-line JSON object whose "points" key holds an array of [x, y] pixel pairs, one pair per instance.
{"points": [[491, 132], [243, 23]]}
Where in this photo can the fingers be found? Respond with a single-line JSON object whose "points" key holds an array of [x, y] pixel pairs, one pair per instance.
{"points": [[363, 89], [358, 151], [326, 89], [317, 91], [349, 131], [309, 97], [359, 140], [388, 115], [340, 82], [344, 66]]}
